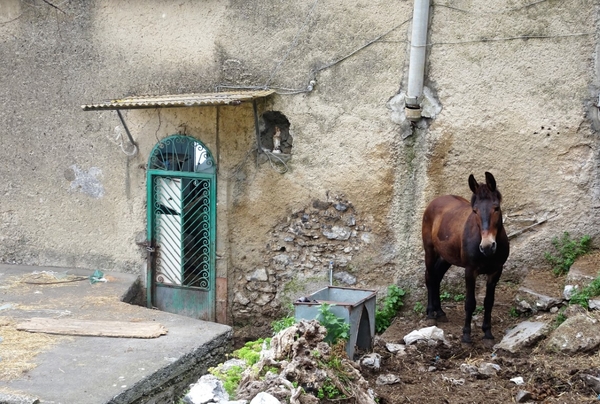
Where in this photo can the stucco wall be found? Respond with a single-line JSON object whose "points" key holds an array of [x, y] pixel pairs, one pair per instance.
{"points": [[516, 82]]}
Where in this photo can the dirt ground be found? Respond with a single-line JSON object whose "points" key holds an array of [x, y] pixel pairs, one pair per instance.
{"points": [[432, 374]]}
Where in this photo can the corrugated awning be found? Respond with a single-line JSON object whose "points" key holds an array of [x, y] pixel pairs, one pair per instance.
{"points": [[179, 100]]}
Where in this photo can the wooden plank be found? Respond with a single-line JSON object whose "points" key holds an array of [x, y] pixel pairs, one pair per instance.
{"points": [[96, 328]]}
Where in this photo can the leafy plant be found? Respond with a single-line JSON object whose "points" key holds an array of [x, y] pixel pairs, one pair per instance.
{"points": [[583, 296], [337, 328], [335, 363], [231, 378], [389, 307], [250, 352], [567, 251], [282, 324], [478, 309], [445, 296], [419, 308], [560, 318], [329, 391], [513, 312], [267, 369]]}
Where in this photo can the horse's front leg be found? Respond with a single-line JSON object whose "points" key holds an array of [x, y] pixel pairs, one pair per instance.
{"points": [[470, 303], [488, 303], [436, 268]]}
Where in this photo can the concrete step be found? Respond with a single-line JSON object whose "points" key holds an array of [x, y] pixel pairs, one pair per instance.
{"points": [[88, 369]]}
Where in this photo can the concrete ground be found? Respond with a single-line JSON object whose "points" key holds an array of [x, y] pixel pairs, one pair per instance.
{"points": [[90, 369]]}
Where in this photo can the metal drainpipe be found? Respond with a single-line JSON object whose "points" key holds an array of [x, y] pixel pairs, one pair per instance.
{"points": [[416, 67]]}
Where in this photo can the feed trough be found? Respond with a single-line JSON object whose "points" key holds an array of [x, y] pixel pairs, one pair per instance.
{"points": [[355, 306]]}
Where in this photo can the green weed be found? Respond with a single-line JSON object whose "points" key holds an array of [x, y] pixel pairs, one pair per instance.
{"points": [[514, 313], [419, 308], [230, 378], [337, 328], [459, 297], [447, 296], [282, 324], [560, 318], [567, 251], [329, 391], [389, 307], [250, 352], [583, 296]]}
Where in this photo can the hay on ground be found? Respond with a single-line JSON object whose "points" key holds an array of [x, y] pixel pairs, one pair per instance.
{"points": [[19, 349]]}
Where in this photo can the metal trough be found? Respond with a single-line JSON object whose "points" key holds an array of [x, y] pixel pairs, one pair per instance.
{"points": [[355, 306]]}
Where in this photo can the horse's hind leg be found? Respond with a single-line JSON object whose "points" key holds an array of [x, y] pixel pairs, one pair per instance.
{"points": [[435, 270]]}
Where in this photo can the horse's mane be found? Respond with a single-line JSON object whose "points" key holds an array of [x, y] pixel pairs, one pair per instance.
{"points": [[485, 193]]}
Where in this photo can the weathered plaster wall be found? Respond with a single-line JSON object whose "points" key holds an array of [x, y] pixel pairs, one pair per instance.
{"points": [[518, 93], [516, 82]]}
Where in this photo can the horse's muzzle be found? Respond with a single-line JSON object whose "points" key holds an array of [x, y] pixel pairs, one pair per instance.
{"points": [[488, 249], [487, 245]]}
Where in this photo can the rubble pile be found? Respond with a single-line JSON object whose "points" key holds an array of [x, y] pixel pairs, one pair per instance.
{"points": [[300, 361], [300, 368]]}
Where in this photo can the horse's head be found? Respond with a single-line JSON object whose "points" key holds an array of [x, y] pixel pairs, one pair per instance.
{"points": [[486, 208]]}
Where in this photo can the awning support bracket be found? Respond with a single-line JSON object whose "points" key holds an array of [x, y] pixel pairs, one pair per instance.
{"points": [[133, 143], [256, 129]]}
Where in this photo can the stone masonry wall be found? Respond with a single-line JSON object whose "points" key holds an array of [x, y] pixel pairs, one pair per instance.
{"points": [[297, 258]]}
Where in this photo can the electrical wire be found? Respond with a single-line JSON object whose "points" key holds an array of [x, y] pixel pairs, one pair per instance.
{"points": [[371, 42], [274, 160], [513, 38], [508, 10]]}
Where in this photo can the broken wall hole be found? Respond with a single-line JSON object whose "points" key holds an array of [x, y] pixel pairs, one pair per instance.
{"points": [[274, 139], [275, 134]]}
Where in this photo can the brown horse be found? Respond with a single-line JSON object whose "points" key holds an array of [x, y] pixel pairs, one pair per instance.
{"points": [[468, 235]]}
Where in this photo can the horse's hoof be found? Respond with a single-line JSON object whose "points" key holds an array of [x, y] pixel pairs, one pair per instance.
{"points": [[466, 339], [442, 319], [489, 342], [431, 321]]}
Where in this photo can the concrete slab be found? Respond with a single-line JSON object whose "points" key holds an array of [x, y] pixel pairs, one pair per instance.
{"points": [[83, 369]]}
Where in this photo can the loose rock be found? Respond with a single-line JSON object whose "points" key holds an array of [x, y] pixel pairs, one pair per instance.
{"points": [[580, 333], [387, 379], [523, 396]]}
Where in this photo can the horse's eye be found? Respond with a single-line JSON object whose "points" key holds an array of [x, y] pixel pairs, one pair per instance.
{"points": [[496, 208]]}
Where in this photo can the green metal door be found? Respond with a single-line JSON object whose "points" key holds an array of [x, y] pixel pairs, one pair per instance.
{"points": [[181, 187]]}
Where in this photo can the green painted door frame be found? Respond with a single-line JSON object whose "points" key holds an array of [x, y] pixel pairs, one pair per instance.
{"points": [[181, 195]]}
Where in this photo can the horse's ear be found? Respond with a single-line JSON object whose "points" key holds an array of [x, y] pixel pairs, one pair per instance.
{"points": [[473, 184], [490, 181]]}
